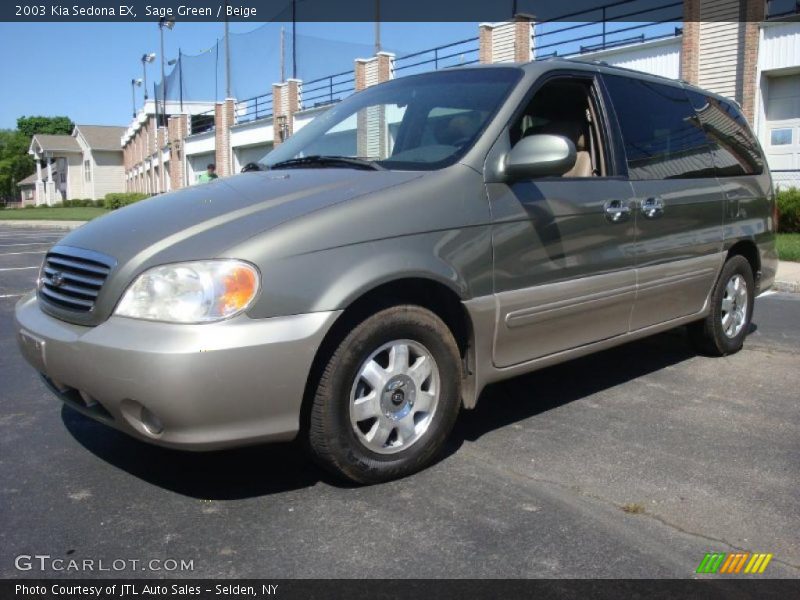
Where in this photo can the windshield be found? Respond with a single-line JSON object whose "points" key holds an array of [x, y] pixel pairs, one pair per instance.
{"points": [[420, 122]]}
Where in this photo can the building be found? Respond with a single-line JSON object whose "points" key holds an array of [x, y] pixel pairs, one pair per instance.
{"points": [[747, 50], [86, 164]]}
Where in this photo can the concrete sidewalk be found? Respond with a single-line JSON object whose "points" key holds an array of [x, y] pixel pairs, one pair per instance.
{"points": [[42, 224], [788, 277]]}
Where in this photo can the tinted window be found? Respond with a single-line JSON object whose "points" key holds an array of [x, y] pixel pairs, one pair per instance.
{"points": [[662, 135], [733, 145]]}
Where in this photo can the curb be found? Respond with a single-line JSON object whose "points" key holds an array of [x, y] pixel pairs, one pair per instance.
{"points": [[41, 224], [792, 287]]}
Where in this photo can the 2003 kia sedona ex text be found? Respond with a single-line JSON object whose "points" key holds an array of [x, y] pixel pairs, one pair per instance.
{"points": [[414, 243]]}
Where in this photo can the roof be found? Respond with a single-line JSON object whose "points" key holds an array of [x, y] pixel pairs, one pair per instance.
{"points": [[102, 137], [56, 143], [29, 180]]}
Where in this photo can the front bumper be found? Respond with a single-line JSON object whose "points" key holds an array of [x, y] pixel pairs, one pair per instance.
{"points": [[196, 387]]}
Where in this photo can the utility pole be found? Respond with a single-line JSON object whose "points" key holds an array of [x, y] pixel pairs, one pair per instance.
{"points": [[377, 26], [283, 54], [227, 55], [294, 39]]}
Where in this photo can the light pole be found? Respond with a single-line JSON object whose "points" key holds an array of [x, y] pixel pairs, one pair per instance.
{"points": [[134, 84], [169, 24], [146, 58]]}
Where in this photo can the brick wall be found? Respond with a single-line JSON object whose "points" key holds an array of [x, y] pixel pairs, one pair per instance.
{"points": [[223, 120], [690, 41], [177, 129], [754, 13]]}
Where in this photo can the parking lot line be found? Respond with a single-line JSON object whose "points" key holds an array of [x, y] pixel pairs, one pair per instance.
{"points": [[11, 295], [18, 268], [25, 244], [25, 252]]}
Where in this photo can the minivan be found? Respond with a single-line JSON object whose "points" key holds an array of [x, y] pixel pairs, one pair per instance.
{"points": [[414, 243]]}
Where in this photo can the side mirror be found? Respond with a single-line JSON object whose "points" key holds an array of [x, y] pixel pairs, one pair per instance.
{"points": [[540, 156]]}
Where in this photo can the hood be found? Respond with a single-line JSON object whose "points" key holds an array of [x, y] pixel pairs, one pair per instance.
{"points": [[222, 213], [201, 222]]}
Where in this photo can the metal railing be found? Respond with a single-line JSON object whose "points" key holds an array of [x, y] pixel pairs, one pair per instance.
{"points": [[202, 122], [560, 45], [329, 89], [255, 108], [462, 52], [637, 39]]}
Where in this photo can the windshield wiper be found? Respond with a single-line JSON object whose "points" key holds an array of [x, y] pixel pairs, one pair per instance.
{"points": [[324, 160]]}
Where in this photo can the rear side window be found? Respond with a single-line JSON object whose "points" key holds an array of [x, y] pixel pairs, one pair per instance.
{"points": [[733, 144], [662, 134]]}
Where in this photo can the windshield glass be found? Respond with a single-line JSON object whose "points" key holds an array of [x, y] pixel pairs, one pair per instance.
{"points": [[418, 122]]}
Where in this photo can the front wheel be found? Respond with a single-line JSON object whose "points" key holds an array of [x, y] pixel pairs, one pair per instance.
{"points": [[387, 397], [723, 331]]}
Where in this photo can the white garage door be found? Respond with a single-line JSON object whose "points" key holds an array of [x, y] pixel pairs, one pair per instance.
{"points": [[198, 164], [251, 154], [783, 125]]}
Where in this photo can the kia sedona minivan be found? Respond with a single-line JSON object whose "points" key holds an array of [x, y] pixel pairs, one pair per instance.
{"points": [[416, 242]]}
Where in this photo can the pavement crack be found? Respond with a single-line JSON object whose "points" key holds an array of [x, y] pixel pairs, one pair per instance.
{"points": [[472, 453]]}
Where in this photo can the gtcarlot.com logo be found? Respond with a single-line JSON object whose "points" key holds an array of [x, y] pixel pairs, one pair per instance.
{"points": [[734, 563], [45, 562]]}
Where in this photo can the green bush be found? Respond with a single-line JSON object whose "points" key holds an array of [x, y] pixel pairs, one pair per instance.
{"points": [[789, 210], [119, 199]]}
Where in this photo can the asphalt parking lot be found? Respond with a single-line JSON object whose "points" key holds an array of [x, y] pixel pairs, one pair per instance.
{"points": [[630, 463]]}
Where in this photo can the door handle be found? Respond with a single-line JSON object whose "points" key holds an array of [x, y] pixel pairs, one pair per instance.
{"points": [[652, 208], [616, 211]]}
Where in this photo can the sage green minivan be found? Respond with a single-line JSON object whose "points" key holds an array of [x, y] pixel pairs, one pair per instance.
{"points": [[414, 243]]}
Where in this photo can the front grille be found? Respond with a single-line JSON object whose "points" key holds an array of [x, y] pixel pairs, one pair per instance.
{"points": [[72, 278]]}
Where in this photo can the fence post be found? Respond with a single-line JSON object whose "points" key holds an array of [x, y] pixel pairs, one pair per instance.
{"points": [[286, 101], [223, 120], [371, 139], [177, 129]]}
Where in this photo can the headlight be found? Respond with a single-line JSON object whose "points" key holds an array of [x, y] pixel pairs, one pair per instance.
{"points": [[191, 292]]}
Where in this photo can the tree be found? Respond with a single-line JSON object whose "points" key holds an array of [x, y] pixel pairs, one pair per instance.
{"points": [[15, 163], [30, 126]]}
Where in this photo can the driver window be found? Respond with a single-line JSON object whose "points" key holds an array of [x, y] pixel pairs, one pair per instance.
{"points": [[565, 107]]}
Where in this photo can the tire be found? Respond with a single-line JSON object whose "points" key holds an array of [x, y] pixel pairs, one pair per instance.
{"points": [[716, 335], [367, 375]]}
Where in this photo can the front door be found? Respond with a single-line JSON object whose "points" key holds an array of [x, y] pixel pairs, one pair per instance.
{"points": [[563, 246]]}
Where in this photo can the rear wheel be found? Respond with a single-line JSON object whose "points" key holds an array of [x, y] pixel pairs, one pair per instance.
{"points": [[724, 329], [387, 397]]}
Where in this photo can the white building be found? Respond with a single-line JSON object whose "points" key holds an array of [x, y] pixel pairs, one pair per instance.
{"points": [[85, 164]]}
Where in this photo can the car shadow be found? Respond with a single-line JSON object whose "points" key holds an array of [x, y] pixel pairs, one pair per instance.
{"points": [[234, 474], [526, 396], [268, 469]]}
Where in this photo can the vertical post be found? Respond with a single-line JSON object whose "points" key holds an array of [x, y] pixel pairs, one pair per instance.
{"points": [[294, 39], [377, 26], [690, 41], [180, 76], [227, 55], [283, 54], [436, 59], [163, 73]]}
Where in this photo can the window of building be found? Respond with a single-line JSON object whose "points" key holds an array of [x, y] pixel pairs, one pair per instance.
{"points": [[733, 145], [780, 137], [87, 170], [663, 136]]}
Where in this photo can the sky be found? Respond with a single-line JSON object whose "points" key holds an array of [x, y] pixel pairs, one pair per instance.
{"points": [[84, 70]]}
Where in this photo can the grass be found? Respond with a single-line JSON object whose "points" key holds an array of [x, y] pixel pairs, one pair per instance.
{"points": [[789, 246], [633, 508], [83, 213]]}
